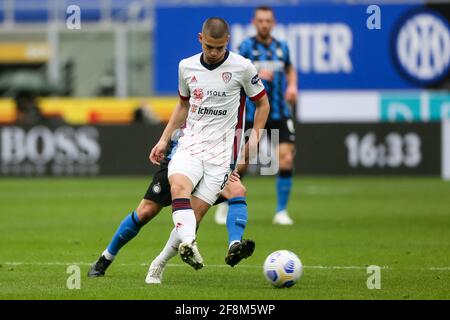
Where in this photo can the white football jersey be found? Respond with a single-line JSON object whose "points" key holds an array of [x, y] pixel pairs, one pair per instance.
{"points": [[215, 124]]}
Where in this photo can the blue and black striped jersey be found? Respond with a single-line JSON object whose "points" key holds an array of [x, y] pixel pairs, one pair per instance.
{"points": [[274, 57], [172, 145]]}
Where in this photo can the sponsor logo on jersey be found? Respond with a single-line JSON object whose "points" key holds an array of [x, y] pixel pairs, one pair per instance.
{"points": [[255, 79], [216, 93], [193, 79], [226, 76], [208, 111], [198, 93], [422, 47]]}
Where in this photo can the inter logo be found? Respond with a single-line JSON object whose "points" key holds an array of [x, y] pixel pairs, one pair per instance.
{"points": [[422, 47], [156, 188]]}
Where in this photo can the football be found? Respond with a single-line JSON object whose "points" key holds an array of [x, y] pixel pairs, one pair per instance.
{"points": [[283, 268]]}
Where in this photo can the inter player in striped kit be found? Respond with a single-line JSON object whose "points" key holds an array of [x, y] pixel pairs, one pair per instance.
{"points": [[271, 58], [211, 87]]}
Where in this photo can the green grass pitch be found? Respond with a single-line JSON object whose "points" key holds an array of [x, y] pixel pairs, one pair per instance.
{"points": [[342, 225]]}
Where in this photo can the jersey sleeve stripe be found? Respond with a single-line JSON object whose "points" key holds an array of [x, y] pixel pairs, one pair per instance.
{"points": [[182, 97], [259, 95]]}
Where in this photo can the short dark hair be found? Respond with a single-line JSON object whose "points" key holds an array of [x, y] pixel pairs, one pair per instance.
{"points": [[263, 8], [216, 28]]}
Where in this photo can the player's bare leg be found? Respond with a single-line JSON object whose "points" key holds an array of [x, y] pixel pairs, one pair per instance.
{"points": [[147, 210], [127, 230], [284, 183]]}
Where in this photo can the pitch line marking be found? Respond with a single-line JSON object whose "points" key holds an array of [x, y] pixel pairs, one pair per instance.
{"points": [[15, 263], [173, 265]]}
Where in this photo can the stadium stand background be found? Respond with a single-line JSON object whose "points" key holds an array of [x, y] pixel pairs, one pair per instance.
{"points": [[117, 69]]}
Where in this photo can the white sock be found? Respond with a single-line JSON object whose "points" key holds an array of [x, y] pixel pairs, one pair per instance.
{"points": [[108, 255], [185, 224], [233, 242], [222, 208], [171, 248]]}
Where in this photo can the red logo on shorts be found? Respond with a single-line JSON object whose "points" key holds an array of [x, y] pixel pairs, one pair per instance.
{"points": [[178, 225], [198, 93]]}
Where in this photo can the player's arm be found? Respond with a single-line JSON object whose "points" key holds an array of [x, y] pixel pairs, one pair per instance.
{"points": [[178, 117], [259, 123], [291, 78], [254, 88], [291, 89], [261, 114]]}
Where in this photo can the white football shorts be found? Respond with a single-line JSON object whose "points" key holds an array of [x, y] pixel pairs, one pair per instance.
{"points": [[208, 179]]}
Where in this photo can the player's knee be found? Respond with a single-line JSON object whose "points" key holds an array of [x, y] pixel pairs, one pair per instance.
{"points": [[179, 191], [237, 190], [147, 210], [287, 159]]}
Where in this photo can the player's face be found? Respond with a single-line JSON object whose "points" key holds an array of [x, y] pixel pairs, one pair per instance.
{"points": [[213, 49], [264, 21]]}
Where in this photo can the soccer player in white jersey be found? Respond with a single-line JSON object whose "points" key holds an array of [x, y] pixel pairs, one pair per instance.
{"points": [[211, 87]]}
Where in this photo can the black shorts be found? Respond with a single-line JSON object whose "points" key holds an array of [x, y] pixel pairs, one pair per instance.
{"points": [[285, 126], [159, 189]]}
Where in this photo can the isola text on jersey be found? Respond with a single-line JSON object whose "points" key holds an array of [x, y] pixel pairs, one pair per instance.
{"points": [[215, 93]]}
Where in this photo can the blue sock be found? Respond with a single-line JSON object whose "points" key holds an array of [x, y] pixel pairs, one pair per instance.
{"points": [[284, 186], [127, 230], [236, 218]]}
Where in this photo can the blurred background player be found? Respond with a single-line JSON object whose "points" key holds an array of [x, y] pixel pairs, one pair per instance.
{"points": [[271, 58]]}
